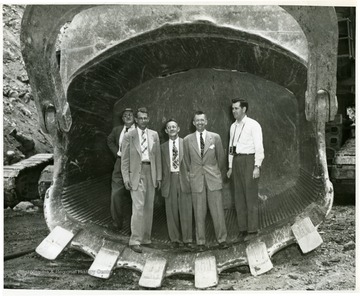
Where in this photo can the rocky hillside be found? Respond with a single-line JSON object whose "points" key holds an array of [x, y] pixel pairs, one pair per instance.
{"points": [[22, 134]]}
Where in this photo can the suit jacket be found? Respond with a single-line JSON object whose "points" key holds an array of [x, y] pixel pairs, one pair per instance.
{"points": [[113, 139], [166, 167], [212, 165], [131, 157]]}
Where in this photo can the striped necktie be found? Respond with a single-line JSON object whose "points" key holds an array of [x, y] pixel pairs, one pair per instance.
{"points": [[175, 159], [202, 145], [143, 142]]}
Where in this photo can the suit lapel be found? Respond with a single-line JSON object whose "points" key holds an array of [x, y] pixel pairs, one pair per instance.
{"points": [[136, 141], [195, 144], [167, 153], [208, 141], [150, 140], [181, 149]]}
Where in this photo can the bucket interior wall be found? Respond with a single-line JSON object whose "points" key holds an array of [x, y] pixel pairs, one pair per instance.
{"points": [[173, 77]]}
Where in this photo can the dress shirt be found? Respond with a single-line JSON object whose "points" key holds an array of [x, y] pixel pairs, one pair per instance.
{"points": [[171, 145], [247, 137], [121, 138], [145, 155], [198, 138]]}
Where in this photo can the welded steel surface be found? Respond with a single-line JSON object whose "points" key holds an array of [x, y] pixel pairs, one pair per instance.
{"points": [[174, 67]]}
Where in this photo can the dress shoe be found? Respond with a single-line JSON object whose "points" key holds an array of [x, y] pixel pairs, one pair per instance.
{"points": [[136, 248], [223, 245], [250, 236], [201, 248], [116, 226], [175, 245], [242, 235], [188, 245]]}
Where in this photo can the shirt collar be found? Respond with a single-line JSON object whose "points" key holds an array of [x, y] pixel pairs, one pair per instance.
{"points": [[140, 130], [242, 121], [203, 133], [172, 141], [131, 127]]}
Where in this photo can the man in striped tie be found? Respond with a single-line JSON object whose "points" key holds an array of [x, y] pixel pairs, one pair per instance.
{"points": [[141, 170], [175, 188]]}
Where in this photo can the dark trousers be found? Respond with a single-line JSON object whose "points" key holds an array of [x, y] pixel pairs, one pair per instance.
{"points": [[118, 194], [178, 212], [246, 193]]}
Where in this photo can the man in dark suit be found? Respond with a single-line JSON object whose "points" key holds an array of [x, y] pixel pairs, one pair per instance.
{"points": [[141, 171], [205, 162], [175, 187], [118, 192]]}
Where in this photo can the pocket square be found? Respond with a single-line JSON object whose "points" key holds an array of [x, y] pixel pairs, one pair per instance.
{"points": [[212, 146]]}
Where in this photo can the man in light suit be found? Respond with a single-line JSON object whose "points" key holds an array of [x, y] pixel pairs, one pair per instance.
{"points": [[205, 162], [141, 170], [175, 187], [118, 192]]}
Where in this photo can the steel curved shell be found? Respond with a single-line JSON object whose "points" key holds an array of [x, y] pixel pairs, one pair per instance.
{"points": [[296, 195]]}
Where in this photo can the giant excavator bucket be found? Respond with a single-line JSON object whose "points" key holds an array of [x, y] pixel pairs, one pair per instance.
{"points": [[175, 60]]}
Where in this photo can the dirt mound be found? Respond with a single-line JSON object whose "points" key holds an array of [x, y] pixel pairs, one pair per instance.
{"points": [[22, 135]]}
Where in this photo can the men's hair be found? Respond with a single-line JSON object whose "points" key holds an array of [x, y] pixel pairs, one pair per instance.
{"points": [[243, 103], [199, 113], [169, 120], [142, 110], [127, 110]]}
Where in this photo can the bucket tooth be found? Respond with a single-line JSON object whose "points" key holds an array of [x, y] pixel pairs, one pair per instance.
{"points": [[258, 258], [206, 272], [306, 235], [104, 262], [54, 243], [153, 272]]}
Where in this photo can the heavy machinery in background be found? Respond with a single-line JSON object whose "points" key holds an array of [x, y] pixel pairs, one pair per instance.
{"points": [[340, 133], [175, 60]]}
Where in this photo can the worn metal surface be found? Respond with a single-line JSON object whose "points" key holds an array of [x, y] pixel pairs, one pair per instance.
{"points": [[21, 179], [79, 118]]}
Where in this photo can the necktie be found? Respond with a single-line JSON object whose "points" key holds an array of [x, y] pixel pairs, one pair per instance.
{"points": [[202, 145], [175, 160], [143, 142], [126, 129]]}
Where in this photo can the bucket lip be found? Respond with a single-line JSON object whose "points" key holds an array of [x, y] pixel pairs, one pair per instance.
{"points": [[275, 237]]}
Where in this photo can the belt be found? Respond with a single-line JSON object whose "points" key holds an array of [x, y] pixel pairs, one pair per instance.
{"points": [[176, 173], [145, 162], [243, 154]]}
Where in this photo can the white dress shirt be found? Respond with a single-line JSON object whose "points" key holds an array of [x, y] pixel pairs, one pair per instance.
{"points": [[171, 145], [198, 138], [145, 155], [121, 138], [246, 135]]}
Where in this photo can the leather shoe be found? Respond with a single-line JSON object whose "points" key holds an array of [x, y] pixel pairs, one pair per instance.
{"points": [[201, 248], [116, 226], [250, 236], [136, 248], [223, 245], [175, 245], [242, 235], [188, 245]]}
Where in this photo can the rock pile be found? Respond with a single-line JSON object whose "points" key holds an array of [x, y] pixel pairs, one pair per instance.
{"points": [[22, 135]]}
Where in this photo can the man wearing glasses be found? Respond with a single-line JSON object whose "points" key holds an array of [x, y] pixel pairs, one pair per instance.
{"points": [[141, 170]]}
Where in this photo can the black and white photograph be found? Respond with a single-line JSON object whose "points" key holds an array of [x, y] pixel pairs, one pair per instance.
{"points": [[179, 147]]}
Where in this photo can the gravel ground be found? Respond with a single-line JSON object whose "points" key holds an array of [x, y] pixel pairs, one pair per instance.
{"points": [[329, 267]]}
